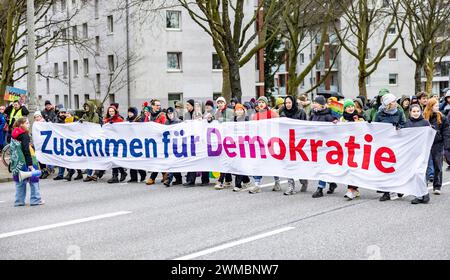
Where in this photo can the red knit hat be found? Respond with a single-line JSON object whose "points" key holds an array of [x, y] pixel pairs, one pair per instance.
{"points": [[145, 104]]}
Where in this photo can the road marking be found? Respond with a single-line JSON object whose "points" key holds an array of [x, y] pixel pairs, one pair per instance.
{"points": [[2, 201], [272, 184], [63, 224], [233, 244]]}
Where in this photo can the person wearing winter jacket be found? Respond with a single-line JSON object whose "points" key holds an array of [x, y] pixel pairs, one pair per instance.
{"points": [[48, 113], [416, 119], [264, 112], [60, 119], [171, 120], [444, 107], [321, 113], [223, 114], [404, 104], [241, 182], [71, 118], [292, 111], [22, 159], [133, 116], [389, 112], [14, 112], [189, 114], [112, 117], [441, 141], [350, 114], [2, 126]]}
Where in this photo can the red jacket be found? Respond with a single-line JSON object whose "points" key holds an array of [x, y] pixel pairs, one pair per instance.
{"points": [[264, 115], [115, 119]]}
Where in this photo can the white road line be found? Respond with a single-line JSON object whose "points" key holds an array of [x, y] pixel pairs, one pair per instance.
{"points": [[2, 201], [233, 244], [63, 224]]}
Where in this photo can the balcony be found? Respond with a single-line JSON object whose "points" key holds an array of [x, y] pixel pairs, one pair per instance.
{"points": [[320, 66]]}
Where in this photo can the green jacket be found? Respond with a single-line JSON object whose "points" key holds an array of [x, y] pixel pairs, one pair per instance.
{"points": [[91, 115], [226, 115]]}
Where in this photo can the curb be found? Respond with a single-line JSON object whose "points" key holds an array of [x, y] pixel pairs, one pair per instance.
{"points": [[6, 180]]}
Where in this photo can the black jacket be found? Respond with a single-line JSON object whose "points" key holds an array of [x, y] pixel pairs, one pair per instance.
{"points": [[322, 116], [299, 115], [8, 111], [49, 116], [397, 119], [442, 131], [416, 122]]}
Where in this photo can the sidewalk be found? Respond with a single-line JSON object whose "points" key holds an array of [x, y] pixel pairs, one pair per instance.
{"points": [[5, 176]]}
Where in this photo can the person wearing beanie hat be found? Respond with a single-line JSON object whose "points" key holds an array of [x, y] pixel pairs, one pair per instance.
{"points": [[49, 113], [291, 110], [209, 111], [171, 120], [389, 112], [278, 103], [321, 113], [350, 114], [371, 113], [241, 182], [188, 115], [264, 113], [134, 117]]}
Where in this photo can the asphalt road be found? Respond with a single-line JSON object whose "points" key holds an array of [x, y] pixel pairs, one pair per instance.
{"points": [[135, 221]]}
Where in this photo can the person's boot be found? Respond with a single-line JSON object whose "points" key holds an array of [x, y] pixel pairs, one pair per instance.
{"points": [[277, 186], [69, 176], [114, 179], [426, 198], [318, 193], [332, 187], [165, 176], [291, 188], [385, 197], [44, 175], [100, 174], [177, 182], [58, 178], [79, 176], [304, 187], [123, 176], [150, 182]]}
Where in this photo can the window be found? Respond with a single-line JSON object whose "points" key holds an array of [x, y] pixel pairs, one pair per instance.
{"points": [[216, 95], [393, 79], [75, 68], [86, 97], [85, 30], [65, 69], [173, 19], [46, 55], [64, 33], [174, 98], [174, 61], [77, 101], [393, 54], [110, 24], [75, 32], [55, 70], [111, 64], [56, 99], [99, 84], [302, 58], [86, 66], [48, 85], [392, 30], [39, 68], [96, 9], [216, 64], [112, 98], [97, 45], [66, 101]]}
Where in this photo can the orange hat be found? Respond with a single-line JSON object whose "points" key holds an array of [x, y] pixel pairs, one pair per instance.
{"points": [[239, 106]]}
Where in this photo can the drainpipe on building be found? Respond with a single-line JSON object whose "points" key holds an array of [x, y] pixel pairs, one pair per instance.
{"points": [[69, 72], [260, 23], [128, 53], [31, 60]]}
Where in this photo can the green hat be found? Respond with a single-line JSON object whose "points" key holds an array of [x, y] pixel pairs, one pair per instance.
{"points": [[383, 91], [348, 102], [264, 99]]}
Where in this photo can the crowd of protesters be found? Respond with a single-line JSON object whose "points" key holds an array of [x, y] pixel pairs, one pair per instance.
{"points": [[405, 112]]}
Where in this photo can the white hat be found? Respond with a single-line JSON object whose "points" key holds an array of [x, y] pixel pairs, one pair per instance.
{"points": [[37, 113], [388, 98], [447, 94], [221, 99]]}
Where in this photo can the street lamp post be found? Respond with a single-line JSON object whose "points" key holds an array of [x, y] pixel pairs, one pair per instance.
{"points": [[31, 60]]}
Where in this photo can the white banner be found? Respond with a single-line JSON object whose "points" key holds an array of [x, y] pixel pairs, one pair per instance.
{"points": [[374, 156]]}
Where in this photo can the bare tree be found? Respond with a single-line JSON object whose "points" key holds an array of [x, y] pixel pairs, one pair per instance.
{"points": [[360, 21]]}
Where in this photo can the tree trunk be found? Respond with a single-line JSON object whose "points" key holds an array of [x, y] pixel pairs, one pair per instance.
{"points": [[235, 79], [417, 78], [6, 63], [362, 85], [226, 86], [429, 71]]}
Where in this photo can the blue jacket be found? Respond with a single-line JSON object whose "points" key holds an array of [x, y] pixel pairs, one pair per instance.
{"points": [[2, 125]]}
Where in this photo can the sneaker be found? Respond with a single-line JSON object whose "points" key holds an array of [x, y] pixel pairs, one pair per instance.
{"points": [[132, 181], [356, 193], [237, 189], [79, 177], [277, 186], [385, 197], [123, 176], [218, 186], [188, 184], [304, 186], [203, 184], [37, 204], [437, 192], [113, 180], [254, 190], [350, 195], [290, 190], [318, 193], [88, 179], [246, 186], [166, 183], [150, 182], [44, 175], [227, 185], [177, 183], [332, 187], [58, 178]]}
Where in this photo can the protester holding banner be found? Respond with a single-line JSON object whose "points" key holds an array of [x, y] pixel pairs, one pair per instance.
{"points": [[292, 111], [321, 113], [264, 113], [112, 116], [441, 141], [48, 113], [13, 113], [350, 114], [171, 120], [189, 115], [134, 117], [241, 182], [22, 159], [71, 118], [389, 112], [61, 118], [2, 127], [223, 114]]}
